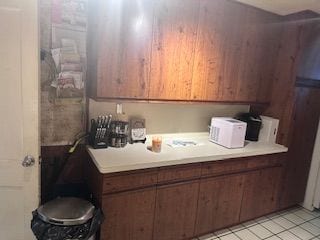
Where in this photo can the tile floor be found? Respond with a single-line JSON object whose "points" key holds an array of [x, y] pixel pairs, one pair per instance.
{"points": [[293, 224]]}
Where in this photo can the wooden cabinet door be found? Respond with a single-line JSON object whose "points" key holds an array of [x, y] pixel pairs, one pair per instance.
{"points": [[175, 212], [180, 50], [261, 193], [216, 61], [123, 48], [219, 203], [174, 38], [129, 215], [232, 63]]}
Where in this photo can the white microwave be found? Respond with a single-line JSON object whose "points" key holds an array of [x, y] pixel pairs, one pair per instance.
{"points": [[228, 132]]}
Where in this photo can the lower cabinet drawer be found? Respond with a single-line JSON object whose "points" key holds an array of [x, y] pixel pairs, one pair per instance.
{"points": [[263, 161], [238, 165], [224, 167], [179, 173], [129, 181]]}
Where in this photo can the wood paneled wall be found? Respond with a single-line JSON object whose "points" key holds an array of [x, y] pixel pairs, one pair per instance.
{"points": [[295, 39], [296, 105], [310, 60], [304, 130], [52, 158]]}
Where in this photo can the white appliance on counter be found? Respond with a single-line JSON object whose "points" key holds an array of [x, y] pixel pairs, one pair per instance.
{"points": [[312, 196], [228, 132], [269, 129]]}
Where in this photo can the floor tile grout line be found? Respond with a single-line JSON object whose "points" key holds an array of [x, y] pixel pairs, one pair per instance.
{"points": [[249, 231], [307, 229], [288, 230], [294, 222], [305, 219], [296, 235], [259, 221], [273, 234], [285, 229], [297, 225], [313, 224], [276, 234], [311, 212], [302, 209], [256, 234]]}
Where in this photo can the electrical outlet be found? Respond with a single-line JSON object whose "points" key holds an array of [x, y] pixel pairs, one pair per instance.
{"points": [[119, 108]]}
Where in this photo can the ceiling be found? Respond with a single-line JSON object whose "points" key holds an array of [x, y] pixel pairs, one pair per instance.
{"points": [[284, 7]]}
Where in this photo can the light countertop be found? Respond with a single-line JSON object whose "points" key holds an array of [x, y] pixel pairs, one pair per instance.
{"points": [[137, 156]]}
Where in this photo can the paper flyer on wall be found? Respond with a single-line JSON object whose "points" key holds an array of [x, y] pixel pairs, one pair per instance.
{"points": [[69, 26], [71, 14]]}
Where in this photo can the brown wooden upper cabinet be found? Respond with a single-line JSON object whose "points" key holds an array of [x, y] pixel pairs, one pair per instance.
{"points": [[188, 50], [119, 48]]}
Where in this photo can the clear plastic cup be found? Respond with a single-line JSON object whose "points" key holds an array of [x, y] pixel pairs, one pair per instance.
{"points": [[156, 144]]}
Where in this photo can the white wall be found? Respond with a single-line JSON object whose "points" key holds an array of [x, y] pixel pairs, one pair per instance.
{"points": [[170, 117], [313, 175]]}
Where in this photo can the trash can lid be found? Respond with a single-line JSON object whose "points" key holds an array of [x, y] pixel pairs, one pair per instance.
{"points": [[66, 211]]}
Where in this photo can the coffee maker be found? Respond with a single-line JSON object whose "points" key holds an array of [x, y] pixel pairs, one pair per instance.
{"points": [[254, 123], [118, 136]]}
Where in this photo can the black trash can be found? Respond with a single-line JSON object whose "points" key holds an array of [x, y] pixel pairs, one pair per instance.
{"points": [[66, 218]]}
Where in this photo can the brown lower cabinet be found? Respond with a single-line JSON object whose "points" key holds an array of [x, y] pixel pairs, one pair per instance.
{"points": [[219, 203], [176, 209], [261, 193], [182, 202], [129, 215]]}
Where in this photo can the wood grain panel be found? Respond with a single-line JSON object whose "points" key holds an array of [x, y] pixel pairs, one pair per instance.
{"points": [[293, 41], [217, 168], [219, 203], [310, 60], [130, 180], [258, 56], [281, 105], [264, 161], [306, 119], [234, 62], [129, 215], [53, 159], [184, 50], [174, 39], [175, 212], [94, 180], [238, 165], [179, 173], [271, 33], [209, 54], [261, 193], [124, 48], [175, 207]]}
